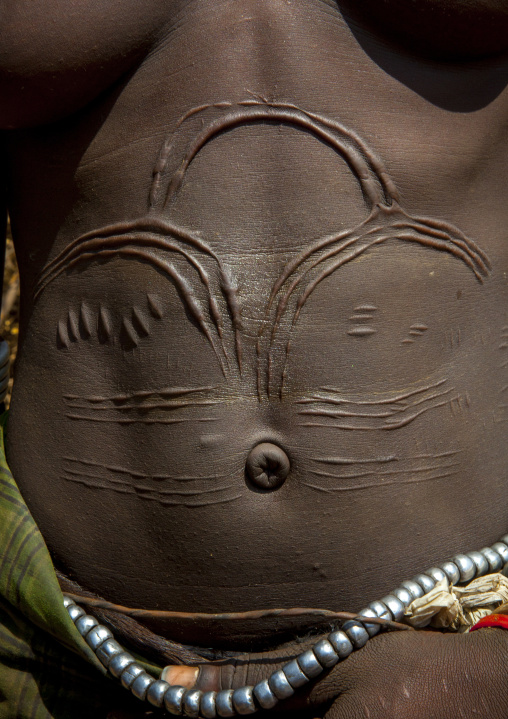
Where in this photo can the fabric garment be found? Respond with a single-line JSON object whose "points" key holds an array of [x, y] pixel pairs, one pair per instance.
{"points": [[47, 671]]}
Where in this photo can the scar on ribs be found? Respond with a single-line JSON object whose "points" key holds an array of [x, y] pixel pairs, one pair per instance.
{"points": [[143, 407], [332, 409], [204, 285], [112, 478]]}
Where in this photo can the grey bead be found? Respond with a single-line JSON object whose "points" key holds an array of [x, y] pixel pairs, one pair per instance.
{"points": [[190, 702], [85, 624], [493, 558], [451, 570], [156, 691], [75, 612], [414, 589], [107, 651], [371, 629], [67, 601], [502, 550], [173, 700], [466, 567], [425, 582], [294, 674], [141, 684], [224, 703], [403, 596], [436, 574], [504, 539], [280, 685], [309, 664], [243, 701], [356, 633], [128, 675], [119, 663], [481, 564], [97, 636], [380, 610], [326, 654], [264, 695], [340, 642], [208, 710], [394, 605]]}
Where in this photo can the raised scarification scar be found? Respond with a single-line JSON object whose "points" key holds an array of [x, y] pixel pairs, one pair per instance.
{"points": [[206, 288]]}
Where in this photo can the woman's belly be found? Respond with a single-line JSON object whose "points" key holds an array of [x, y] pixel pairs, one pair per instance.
{"points": [[278, 292], [134, 426]]}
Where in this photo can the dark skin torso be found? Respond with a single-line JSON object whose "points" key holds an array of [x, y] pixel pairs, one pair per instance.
{"points": [[391, 403]]}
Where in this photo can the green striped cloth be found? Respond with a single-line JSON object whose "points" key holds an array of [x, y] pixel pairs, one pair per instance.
{"points": [[46, 668]]}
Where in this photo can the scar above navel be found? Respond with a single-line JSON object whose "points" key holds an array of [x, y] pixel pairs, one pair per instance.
{"points": [[330, 408], [156, 406], [167, 392]]}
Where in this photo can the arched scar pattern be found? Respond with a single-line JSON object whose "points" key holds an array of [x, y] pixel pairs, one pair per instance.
{"points": [[198, 273], [204, 286]]}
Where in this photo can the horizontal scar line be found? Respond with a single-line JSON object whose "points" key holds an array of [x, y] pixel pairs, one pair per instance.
{"points": [[155, 405], [343, 460], [140, 421], [143, 489], [410, 470], [373, 485], [125, 490], [164, 392]]}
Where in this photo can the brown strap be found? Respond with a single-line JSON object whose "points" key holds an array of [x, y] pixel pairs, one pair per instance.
{"points": [[127, 630], [123, 621]]}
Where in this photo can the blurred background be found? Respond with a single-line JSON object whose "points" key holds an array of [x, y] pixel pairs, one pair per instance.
{"points": [[9, 316]]}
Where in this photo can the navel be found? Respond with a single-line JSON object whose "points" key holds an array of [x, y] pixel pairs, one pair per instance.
{"points": [[267, 466]]}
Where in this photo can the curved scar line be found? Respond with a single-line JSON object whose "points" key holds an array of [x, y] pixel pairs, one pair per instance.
{"points": [[110, 241]]}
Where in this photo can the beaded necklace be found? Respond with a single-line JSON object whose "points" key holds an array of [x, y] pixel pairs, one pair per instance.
{"points": [[281, 684]]}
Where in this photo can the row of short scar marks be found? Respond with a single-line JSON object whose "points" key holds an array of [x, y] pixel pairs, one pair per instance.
{"points": [[98, 322], [348, 475], [362, 324], [206, 288], [88, 322]]}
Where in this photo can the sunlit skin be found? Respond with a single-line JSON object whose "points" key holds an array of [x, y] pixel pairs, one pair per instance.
{"points": [[266, 222]]}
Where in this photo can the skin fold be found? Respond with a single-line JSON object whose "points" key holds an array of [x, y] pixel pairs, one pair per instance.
{"points": [[264, 327]]}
